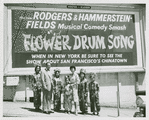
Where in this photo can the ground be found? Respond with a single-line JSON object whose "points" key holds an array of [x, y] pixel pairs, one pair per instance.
{"points": [[26, 109]]}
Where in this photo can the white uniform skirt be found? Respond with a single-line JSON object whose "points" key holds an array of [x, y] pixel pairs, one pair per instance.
{"points": [[75, 95]]}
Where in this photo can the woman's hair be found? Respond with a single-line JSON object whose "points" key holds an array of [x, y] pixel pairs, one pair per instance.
{"points": [[37, 67], [94, 74], [72, 67], [57, 70], [55, 73], [83, 73]]}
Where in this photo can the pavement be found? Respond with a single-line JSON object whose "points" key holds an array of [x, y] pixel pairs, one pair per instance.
{"points": [[26, 109]]}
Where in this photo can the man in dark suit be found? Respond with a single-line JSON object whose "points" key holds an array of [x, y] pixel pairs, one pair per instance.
{"points": [[46, 77]]}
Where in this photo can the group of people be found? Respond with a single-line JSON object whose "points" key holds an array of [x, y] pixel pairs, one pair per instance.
{"points": [[75, 90]]}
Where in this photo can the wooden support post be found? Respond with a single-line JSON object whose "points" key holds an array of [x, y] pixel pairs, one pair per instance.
{"points": [[136, 82], [26, 87], [13, 90], [118, 97]]}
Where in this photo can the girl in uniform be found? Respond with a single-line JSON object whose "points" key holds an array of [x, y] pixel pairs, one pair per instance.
{"points": [[94, 94], [37, 85], [74, 81], [83, 91], [57, 89], [67, 95]]}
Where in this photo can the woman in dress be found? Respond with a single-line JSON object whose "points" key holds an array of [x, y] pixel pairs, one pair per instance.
{"points": [[83, 92], [37, 85], [57, 90], [67, 95], [74, 81]]}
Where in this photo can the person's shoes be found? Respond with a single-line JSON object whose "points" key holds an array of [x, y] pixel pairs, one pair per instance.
{"points": [[46, 112], [38, 109], [76, 113], [98, 114], [93, 113], [51, 111], [83, 113], [58, 111], [68, 112]]}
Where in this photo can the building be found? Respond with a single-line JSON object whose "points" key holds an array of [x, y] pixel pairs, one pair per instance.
{"points": [[108, 39]]}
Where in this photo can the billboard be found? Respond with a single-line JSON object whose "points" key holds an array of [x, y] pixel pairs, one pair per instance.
{"points": [[67, 38]]}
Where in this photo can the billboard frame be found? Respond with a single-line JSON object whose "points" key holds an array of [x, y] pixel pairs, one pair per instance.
{"points": [[27, 71]]}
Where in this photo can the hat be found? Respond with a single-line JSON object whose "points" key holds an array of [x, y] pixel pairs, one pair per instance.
{"points": [[57, 70], [83, 71], [92, 74], [48, 63], [37, 64]]}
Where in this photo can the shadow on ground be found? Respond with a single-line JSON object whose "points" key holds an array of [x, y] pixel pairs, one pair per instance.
{"points": [[40, 111], [32, 109], [61, 111]]}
